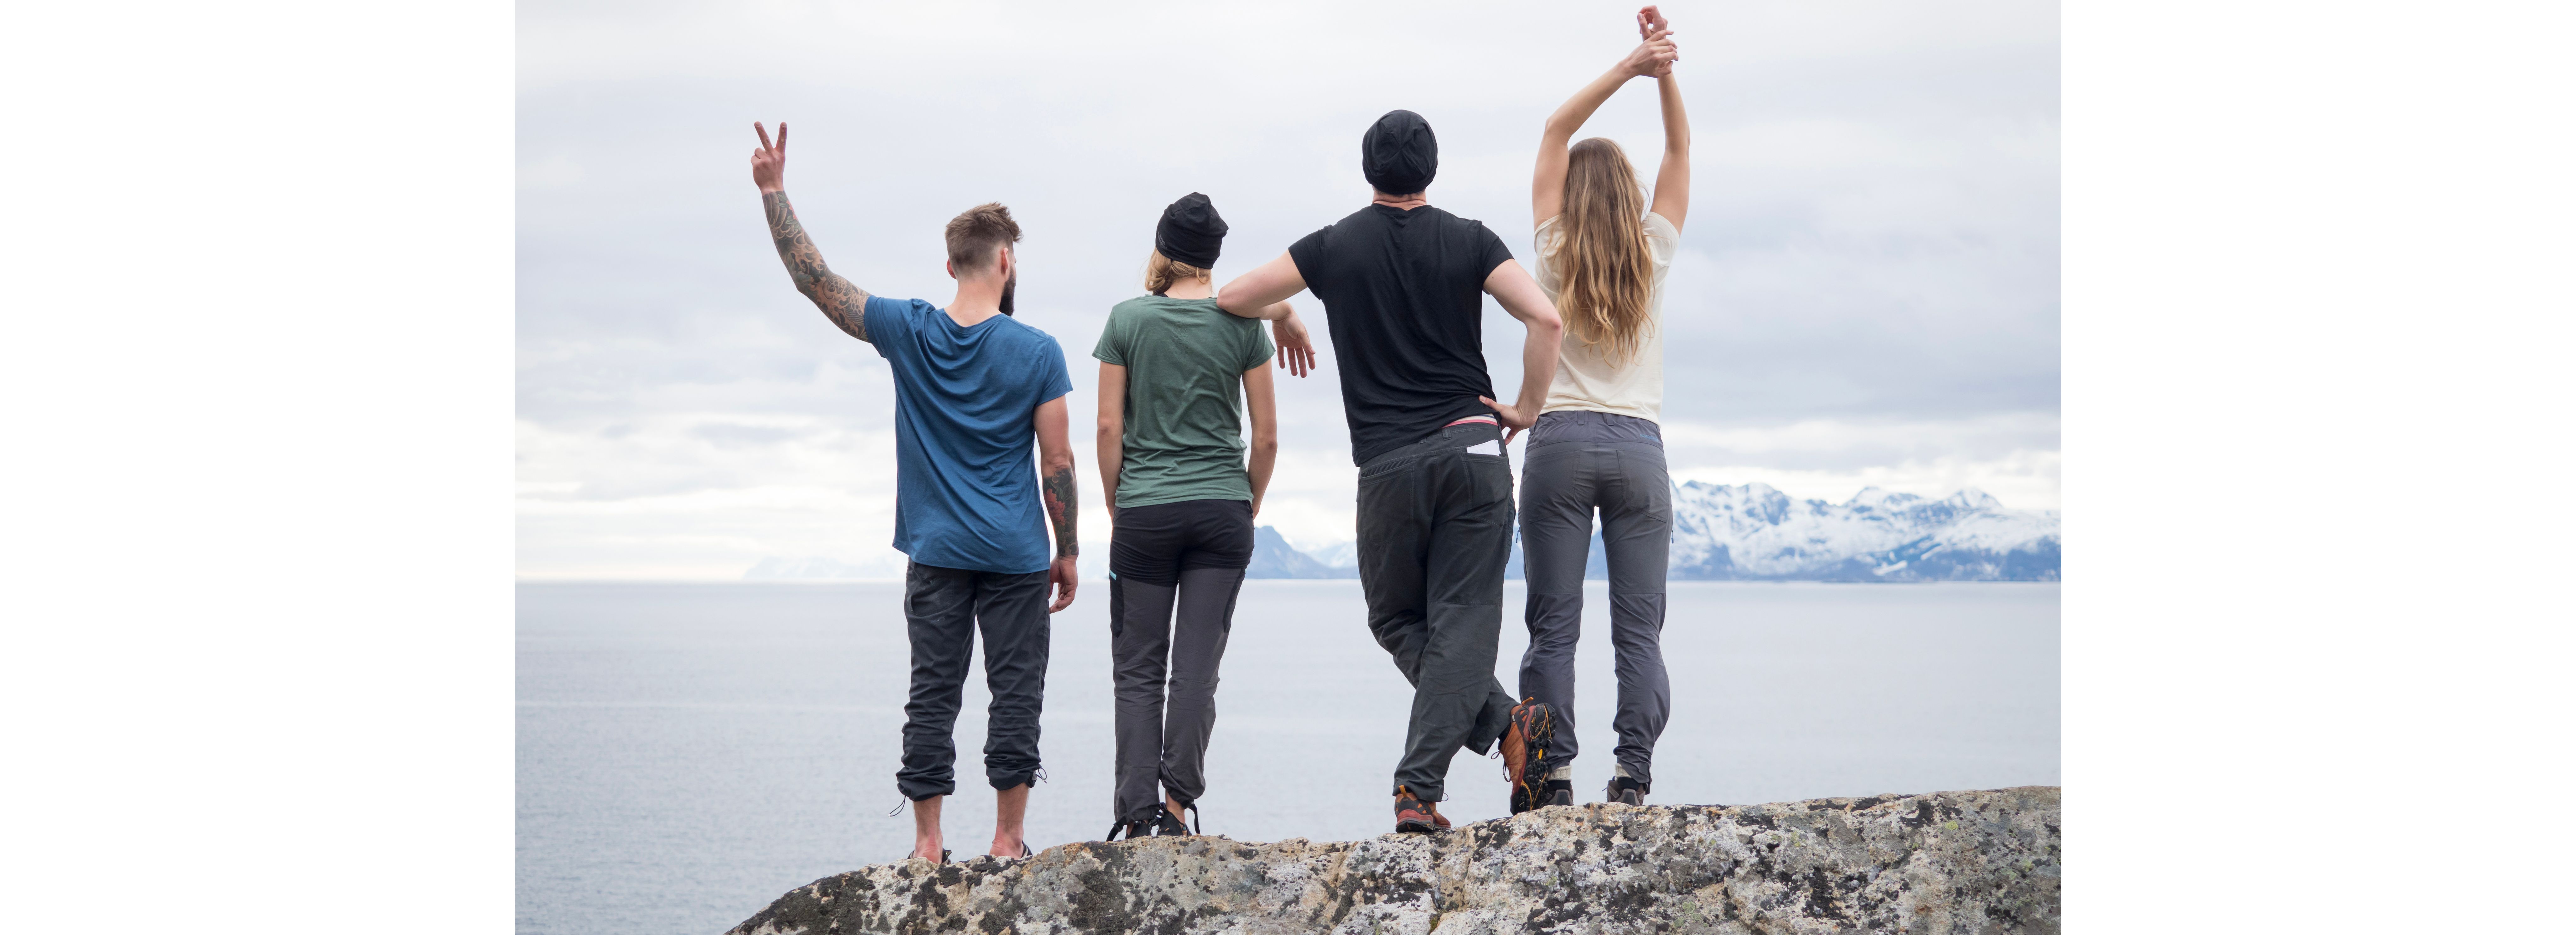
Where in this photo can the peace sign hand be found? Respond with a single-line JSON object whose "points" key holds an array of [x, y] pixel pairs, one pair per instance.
{"points": [[769, 163]]}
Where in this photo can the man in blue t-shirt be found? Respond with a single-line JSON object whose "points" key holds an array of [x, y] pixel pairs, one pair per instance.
{"points": [[971, 387]]}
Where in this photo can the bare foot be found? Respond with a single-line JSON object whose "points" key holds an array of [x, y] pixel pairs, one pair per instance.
{"points": [[926, 849], [1002, 848]]}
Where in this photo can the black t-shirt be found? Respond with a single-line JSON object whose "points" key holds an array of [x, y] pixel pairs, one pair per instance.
{"points": [[1405, 295]]}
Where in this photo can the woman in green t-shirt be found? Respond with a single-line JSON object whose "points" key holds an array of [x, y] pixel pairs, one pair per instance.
{"points": [[1174, 374]]}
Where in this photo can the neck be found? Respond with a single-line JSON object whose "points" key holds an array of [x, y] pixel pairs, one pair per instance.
{"points": [[1189, 289], [1404, 202], [976, 300]]}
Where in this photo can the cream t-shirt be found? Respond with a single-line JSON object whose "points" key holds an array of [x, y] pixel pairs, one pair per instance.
{"points": [[1584, 378]]}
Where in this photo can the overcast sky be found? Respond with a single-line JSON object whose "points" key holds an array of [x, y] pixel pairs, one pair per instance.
{"points": [[1867, 291]]}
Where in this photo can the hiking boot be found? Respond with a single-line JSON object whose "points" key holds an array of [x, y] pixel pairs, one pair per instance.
{"points": [[1525, 760], [1559, 792], [1414, 816], [1626, 791]]}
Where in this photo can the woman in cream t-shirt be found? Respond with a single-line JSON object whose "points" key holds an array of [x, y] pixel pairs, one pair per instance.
{"points": [[1602, 254]]}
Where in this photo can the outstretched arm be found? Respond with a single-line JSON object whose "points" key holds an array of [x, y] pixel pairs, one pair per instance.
{"points": [[845, 304], [1263, 294], [1520, 295], [1652, 58], [1063, 499]]}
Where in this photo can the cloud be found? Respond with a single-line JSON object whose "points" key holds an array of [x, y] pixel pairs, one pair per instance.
{"points": [[1867, 289]]}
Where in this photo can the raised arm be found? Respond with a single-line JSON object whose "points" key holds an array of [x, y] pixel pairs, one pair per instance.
{"points": [[1547, 185], [1672, 179], [1520, 296], [845, 304], [1263, 294], [1111, 445], [1258, 402], [1063, 499]]}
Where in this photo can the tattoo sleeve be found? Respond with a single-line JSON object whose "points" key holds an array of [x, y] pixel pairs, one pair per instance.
{"points": [[1061, 502], [845, 304]]}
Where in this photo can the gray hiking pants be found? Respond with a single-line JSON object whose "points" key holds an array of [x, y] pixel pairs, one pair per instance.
{"points": [[1435, 530], [1174, 570], [942, 609], [1580, 463]]}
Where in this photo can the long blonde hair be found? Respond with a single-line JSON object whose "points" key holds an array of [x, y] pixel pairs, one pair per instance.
{"points": [[1162, 271], [1605, 273]]}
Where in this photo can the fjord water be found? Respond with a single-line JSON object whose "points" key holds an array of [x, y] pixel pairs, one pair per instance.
{"points": [[688, 752]]}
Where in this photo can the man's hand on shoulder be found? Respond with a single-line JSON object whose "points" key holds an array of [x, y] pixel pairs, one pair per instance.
{"points": [[1296, 349]]}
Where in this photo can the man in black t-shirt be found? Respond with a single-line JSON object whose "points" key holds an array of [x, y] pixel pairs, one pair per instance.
{"points": [[1403, 287]]}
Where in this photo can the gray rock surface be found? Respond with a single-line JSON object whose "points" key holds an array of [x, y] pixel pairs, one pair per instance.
{"points": [[1945, 862]]}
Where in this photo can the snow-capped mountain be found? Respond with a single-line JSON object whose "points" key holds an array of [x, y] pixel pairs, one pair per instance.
{"points": [[1755, 532], [1752, 532]]}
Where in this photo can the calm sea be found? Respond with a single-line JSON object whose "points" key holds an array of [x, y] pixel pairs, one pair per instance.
{"points": [[686, 753]]}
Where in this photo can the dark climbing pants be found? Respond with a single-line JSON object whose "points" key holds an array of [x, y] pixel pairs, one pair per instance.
{"points": [[1435, 530], [942, 609], [1580, 463], [1174, 570]]}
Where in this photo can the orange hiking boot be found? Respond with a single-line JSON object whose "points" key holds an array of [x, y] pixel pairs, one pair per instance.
{"points": [[1524, 749], [1415, 816]]}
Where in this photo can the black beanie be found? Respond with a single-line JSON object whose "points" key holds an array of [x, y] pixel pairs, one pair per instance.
{"points": [[1398, 154], [1190, 232]]}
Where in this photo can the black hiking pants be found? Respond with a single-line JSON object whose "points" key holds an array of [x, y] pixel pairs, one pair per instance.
{"points": [[942, 609], [1435, 530]]}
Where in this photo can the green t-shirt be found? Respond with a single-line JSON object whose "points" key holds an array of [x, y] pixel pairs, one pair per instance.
{"points": [[1185, 360]]}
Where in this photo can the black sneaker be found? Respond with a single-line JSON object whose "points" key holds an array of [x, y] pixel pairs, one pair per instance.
{"points": [[1168, 825], [1626, 791], [1524, 751], [1140, 823]]}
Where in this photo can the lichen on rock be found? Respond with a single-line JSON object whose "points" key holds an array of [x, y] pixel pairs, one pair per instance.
{"points": [[1944, 862]]}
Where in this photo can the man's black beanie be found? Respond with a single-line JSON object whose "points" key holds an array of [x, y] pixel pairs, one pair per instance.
{"points": [[1190, 232], [1398, 154]]}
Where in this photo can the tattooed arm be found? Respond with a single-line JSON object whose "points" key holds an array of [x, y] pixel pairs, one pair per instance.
{"points": [[845, 304], [1055, 481]]}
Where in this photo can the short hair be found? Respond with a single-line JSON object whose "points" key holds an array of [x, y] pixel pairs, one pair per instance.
{"points": [[1162, 271], [977, 234]]}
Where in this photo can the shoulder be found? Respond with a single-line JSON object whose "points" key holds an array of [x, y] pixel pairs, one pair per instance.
{"points": [[888, 318], [1662, 238], [1659, 226], [1128, 310], [1023, 334], [1468, 227], [906, 309]]}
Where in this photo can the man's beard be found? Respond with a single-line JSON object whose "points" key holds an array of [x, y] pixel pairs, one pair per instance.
{"points": [[1009, 286]]}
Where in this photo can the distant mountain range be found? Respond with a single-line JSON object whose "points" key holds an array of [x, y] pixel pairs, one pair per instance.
{"points": [[1752, 532]]}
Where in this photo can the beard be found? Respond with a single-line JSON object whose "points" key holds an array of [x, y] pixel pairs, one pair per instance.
{"points": [[1010, 286]]}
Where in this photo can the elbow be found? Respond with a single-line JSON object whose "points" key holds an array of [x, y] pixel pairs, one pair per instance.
{"points": [[1265, 443], [1055, 461]]}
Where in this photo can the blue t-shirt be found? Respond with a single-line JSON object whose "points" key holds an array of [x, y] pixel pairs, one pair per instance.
{"points": [[966, 480]]}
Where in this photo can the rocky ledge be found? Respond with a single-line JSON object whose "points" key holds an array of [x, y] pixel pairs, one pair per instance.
{"points": [[1963, 862]]}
